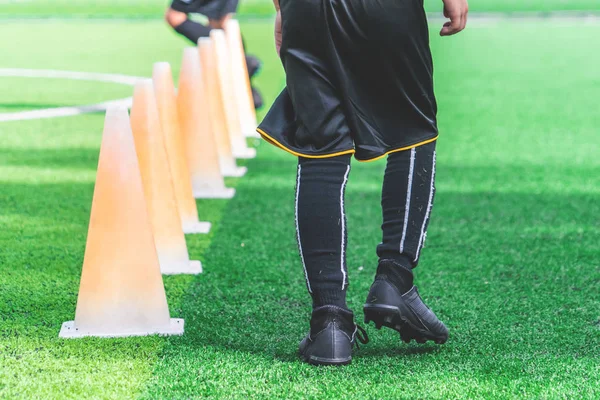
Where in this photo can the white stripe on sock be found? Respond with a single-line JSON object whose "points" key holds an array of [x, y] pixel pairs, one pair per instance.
{"points": [[413, 153], [298, 230], [429, 205], [343, 216]]}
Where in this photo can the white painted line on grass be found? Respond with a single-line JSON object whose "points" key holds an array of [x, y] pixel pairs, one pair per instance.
{"points": [[73, 75], [64, 111]]}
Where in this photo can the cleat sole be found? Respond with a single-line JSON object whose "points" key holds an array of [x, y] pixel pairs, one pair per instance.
{"points": [[313, 360], [391, 317]]}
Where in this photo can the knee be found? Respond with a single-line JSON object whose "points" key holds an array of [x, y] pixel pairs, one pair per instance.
{"points": [[175, 18]]}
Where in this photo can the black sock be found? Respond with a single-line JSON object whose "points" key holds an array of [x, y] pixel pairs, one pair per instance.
{"points": [[406, 202], [193, 30], [400, 275], [321, 227]]}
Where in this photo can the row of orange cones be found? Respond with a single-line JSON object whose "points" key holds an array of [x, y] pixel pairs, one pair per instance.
{"points": [[175, 147]]}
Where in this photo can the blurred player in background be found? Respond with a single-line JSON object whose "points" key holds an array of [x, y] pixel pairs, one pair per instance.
{"points": [[218, 13]]}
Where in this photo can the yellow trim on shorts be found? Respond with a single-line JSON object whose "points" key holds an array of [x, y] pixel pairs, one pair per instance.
{"points": [[401, 149], [282, 147]]}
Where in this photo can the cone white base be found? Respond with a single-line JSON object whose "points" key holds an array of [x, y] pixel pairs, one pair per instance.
{"points": [[193, 268], [248, 152], [196, 227], [69, 331], [226, 193], [236, 172]]}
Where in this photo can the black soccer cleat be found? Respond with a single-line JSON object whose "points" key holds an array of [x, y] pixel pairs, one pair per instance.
{"points": [[332, 335], [405, 313]]}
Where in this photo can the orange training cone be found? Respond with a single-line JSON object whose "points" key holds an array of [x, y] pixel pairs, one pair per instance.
{"points": [[167, 111], [121, 291], [202, 156], [217, 109], [223, 77], [240, 79], [158, 185]]}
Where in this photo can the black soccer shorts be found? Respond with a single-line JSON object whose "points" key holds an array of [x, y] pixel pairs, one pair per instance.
{"points": [[212, 9], [359, 79]]}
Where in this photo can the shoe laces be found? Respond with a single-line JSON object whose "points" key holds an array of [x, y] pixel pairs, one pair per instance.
{"points": [[361, 334]]}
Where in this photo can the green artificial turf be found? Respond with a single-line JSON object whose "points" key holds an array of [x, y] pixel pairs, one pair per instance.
{"points": [[511, 263], [248, 8], [138, 9], [510, 6], [26, 94]]}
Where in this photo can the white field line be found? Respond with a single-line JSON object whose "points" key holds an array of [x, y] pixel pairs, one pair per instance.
{"points": [[72, 110]]}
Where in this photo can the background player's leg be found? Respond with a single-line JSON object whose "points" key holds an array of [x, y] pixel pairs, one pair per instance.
{"points": [[186, 27], [321, 227], [407, 199], [252, 62]]}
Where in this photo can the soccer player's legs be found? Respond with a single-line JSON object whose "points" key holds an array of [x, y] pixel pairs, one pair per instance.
{"points": [[322, 239], [407, 200], [321, 227], [317, 131], [319, 137]]}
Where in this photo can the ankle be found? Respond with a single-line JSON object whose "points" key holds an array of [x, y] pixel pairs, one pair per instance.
{"points": [[329, 297], [396, 273]]}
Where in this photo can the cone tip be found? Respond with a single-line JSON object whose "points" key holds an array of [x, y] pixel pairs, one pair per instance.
{"points": [[116, 112], [143, 86], [116, 123], [191, 52], [204, 43]]}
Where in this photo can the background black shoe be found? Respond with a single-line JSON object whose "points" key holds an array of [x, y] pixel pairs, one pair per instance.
{"points": [[332, 335], [254, 65], [405, 313]]}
